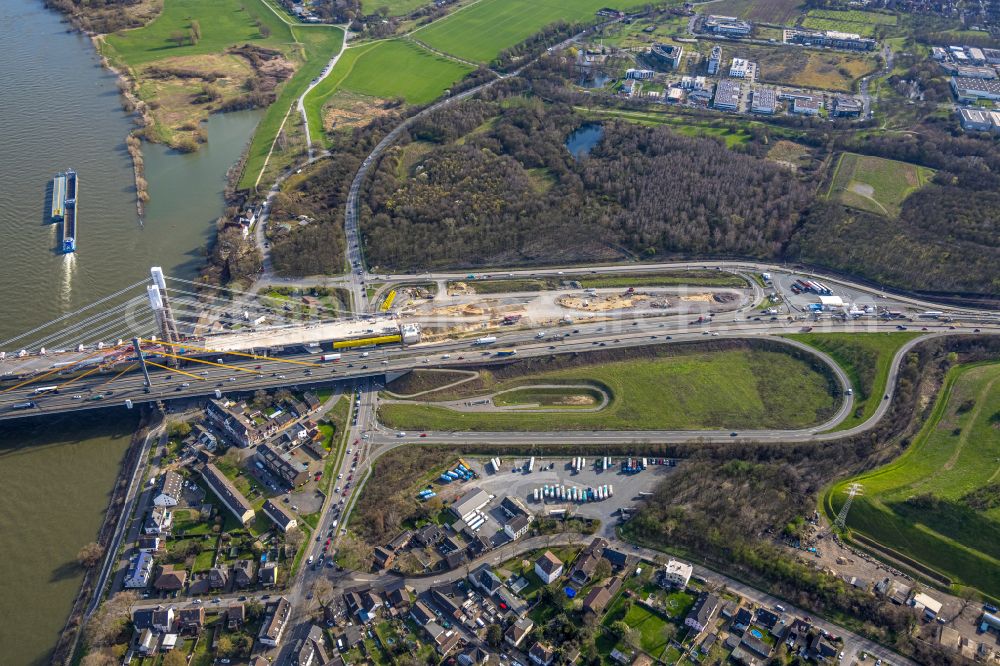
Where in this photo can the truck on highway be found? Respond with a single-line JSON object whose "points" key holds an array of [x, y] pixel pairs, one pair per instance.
{"points": [[531, 464], [330, 357], [506, 352], [485, 340], [23, 405]]}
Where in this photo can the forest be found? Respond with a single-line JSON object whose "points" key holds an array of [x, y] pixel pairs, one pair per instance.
{"points": [[499, 187]]}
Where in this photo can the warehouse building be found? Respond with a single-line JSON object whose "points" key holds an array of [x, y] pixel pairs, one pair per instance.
{"points": [[972, 90], [847, 107], [470, 502], [979, 120]]}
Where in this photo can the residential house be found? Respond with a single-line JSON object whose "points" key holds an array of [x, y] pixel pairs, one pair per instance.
{"points": [[169, 494], [741, 620], [273, 628], [401, 541], [163, 619], [599, 597], [268, 574], [474, 655], [927, 603], [429, 536], [159, 521], [352, 637], [237, 426], [280, 516], [205, 437], [312, 401], [227, 493], [676, 574], [218, 578], [150, 543], [455, 559], [191, 619], [586, 563], [444, 641], [170, 579], [766, 619], [383, 557], [147, 642], [619, 559], [702, 612], [541, 655], [517, 526], [140, 571], [243, 573], [548, 567], [364, 603], [421, 614], [312, 652], [510, 603], [483, 578], [142, 618], [283, 465], [397, 598], [236, 616], [516, 632]]}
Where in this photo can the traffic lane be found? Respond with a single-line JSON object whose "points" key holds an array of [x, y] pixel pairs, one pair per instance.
{"points": [[131, 386]]}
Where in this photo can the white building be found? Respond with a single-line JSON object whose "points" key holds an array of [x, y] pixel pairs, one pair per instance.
{"points": [[929, 604], [676, 574], [743, 69], [170, 490], [138, 575]]}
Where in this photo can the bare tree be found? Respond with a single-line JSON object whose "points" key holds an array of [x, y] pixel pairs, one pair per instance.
{"points": [[322, 590], [90, 555], [178, 37], [109, 621]]}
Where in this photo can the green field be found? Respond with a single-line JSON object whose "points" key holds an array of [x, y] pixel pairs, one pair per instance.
{"points": [[725, 389], [939, 503], [389, 70], [482, 30], [223, 23], [853, 16], [680, 124], [875, 184], [862, 29], [395, 7], [558, 398], [781, 12], [866, 358]]}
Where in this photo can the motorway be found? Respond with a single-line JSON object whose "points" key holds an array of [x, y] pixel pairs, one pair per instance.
{"points": [[303, 369]]}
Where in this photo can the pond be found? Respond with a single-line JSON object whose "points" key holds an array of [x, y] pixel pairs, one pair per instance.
{"points": [[582, 141], [594, 80]]}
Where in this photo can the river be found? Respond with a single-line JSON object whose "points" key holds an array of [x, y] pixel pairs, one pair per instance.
{"points": [[61, 110]]}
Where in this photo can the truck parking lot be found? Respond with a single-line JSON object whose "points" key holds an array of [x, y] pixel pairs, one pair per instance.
{"points": [[513, 479]]}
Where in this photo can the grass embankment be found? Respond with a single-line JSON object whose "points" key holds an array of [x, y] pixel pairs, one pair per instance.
{"points": [[317, 44], [875, 184], [939, 503], [690, 278], [420, 380], [558, 398], [482, 30], [866, 358], [654, 390]]}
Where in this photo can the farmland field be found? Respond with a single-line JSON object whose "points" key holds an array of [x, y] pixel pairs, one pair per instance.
{"points": [[781, 12], [939, 503], [725, 389], [866, 358], [481, 31], [875, 184], [853, 16]]}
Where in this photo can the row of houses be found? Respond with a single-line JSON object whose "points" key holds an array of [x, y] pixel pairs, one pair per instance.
{"points": [[241, 429]]}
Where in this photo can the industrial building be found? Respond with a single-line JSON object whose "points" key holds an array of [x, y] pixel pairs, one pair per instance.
{"points": [[640, 74], [715, 60], [763, 100], [727, 26], [470, 502], [727, 95], [972, 90], [979, 120], [830, 38], [666, 55], [743, 69]]}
